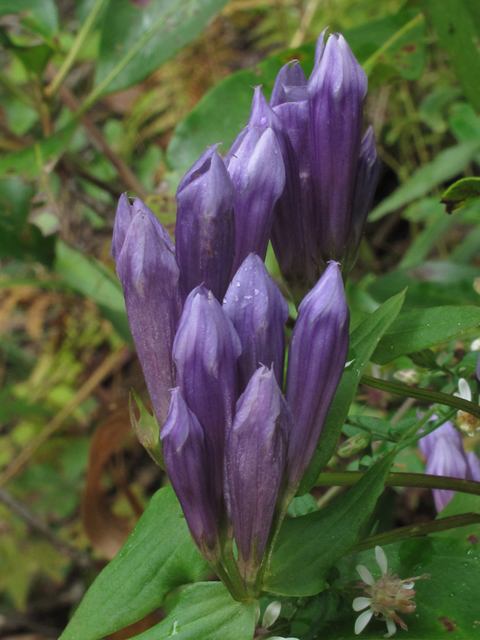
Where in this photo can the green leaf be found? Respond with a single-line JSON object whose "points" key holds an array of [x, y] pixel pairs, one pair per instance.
{"points": [[40, 15], [446, 165], [157, 557], [445, 606], [165, 26], [308, 546], [363, 342], [417, 330], [206, 610], [29, 162], [434, 283], [461, 193], [224, 110], [459, 34], [91, 278]]}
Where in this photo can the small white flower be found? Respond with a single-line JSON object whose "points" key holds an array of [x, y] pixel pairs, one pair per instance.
{"points": [[468, 424], [269, 617], [386, 595]]}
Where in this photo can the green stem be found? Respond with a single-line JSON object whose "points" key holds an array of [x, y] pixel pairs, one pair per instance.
{"points": [[77, 45], [422, 394], [416, 530], [370, 63], [349, 478], [96, 93]]}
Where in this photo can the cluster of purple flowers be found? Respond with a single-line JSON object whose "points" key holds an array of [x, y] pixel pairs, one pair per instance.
{"points": [[209, 323]]}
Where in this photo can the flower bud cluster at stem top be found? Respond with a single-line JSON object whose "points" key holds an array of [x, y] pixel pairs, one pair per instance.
{"points": [[208, 321]]}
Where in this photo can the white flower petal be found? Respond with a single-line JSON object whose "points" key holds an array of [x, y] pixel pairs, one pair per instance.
{"points": [[361, 603], [365, 574], [408, 585], [464, 388], [381, 559], [271, 614], [281, 638], [390, 626], [362, 621]]}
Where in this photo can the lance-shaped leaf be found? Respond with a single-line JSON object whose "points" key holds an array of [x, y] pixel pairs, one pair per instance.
{"points": [[255, 165], [205, 227], [205, 351], [255, 462], [317, 356], [258, 312], [149, 275], [190, 464], [336, 91], [287, 220]]}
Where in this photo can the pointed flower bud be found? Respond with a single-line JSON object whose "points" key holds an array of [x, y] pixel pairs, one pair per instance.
{"points": [[317, 356], [190, 464], [255, 165], [336, 88], [149, 275], [288, 238], [258, 312], [290, 77], [205, 228], [205, 351], [255, 461], [123, 217]]}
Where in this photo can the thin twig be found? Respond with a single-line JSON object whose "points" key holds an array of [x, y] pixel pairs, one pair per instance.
{"points": [[75, 49], [108, 366], [19, 509], [129, 178], [307, 17]]}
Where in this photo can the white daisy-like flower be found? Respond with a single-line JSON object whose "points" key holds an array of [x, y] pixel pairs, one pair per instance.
{"points": [[384, 597], [269, 618]]}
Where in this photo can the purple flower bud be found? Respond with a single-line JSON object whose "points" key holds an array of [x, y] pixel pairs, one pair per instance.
{"points": [[205, 351], [290, 77], [288, 238], [258, 312], [205, 228], [446, 456], [189, 460], [317, 356], [149, 275], [123, 217], [255, 455], [255, 165], [336, 88], [365, 184]]}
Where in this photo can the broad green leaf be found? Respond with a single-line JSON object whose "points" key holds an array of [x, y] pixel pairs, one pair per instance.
{"points": [[417, 330], [163, 26], [363, 342], [462, 503], [459, 33], [157, 557], [224, 110], [29, 162], [446, 602], [461, 193], [41, 15], [308, 546], [206, 610], [434, 283], [445, 166], [91, 278]]}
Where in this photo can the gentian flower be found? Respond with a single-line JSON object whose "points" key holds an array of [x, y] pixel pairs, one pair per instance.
{"points": [[336, 168], [316, 359], [443, 449]]}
